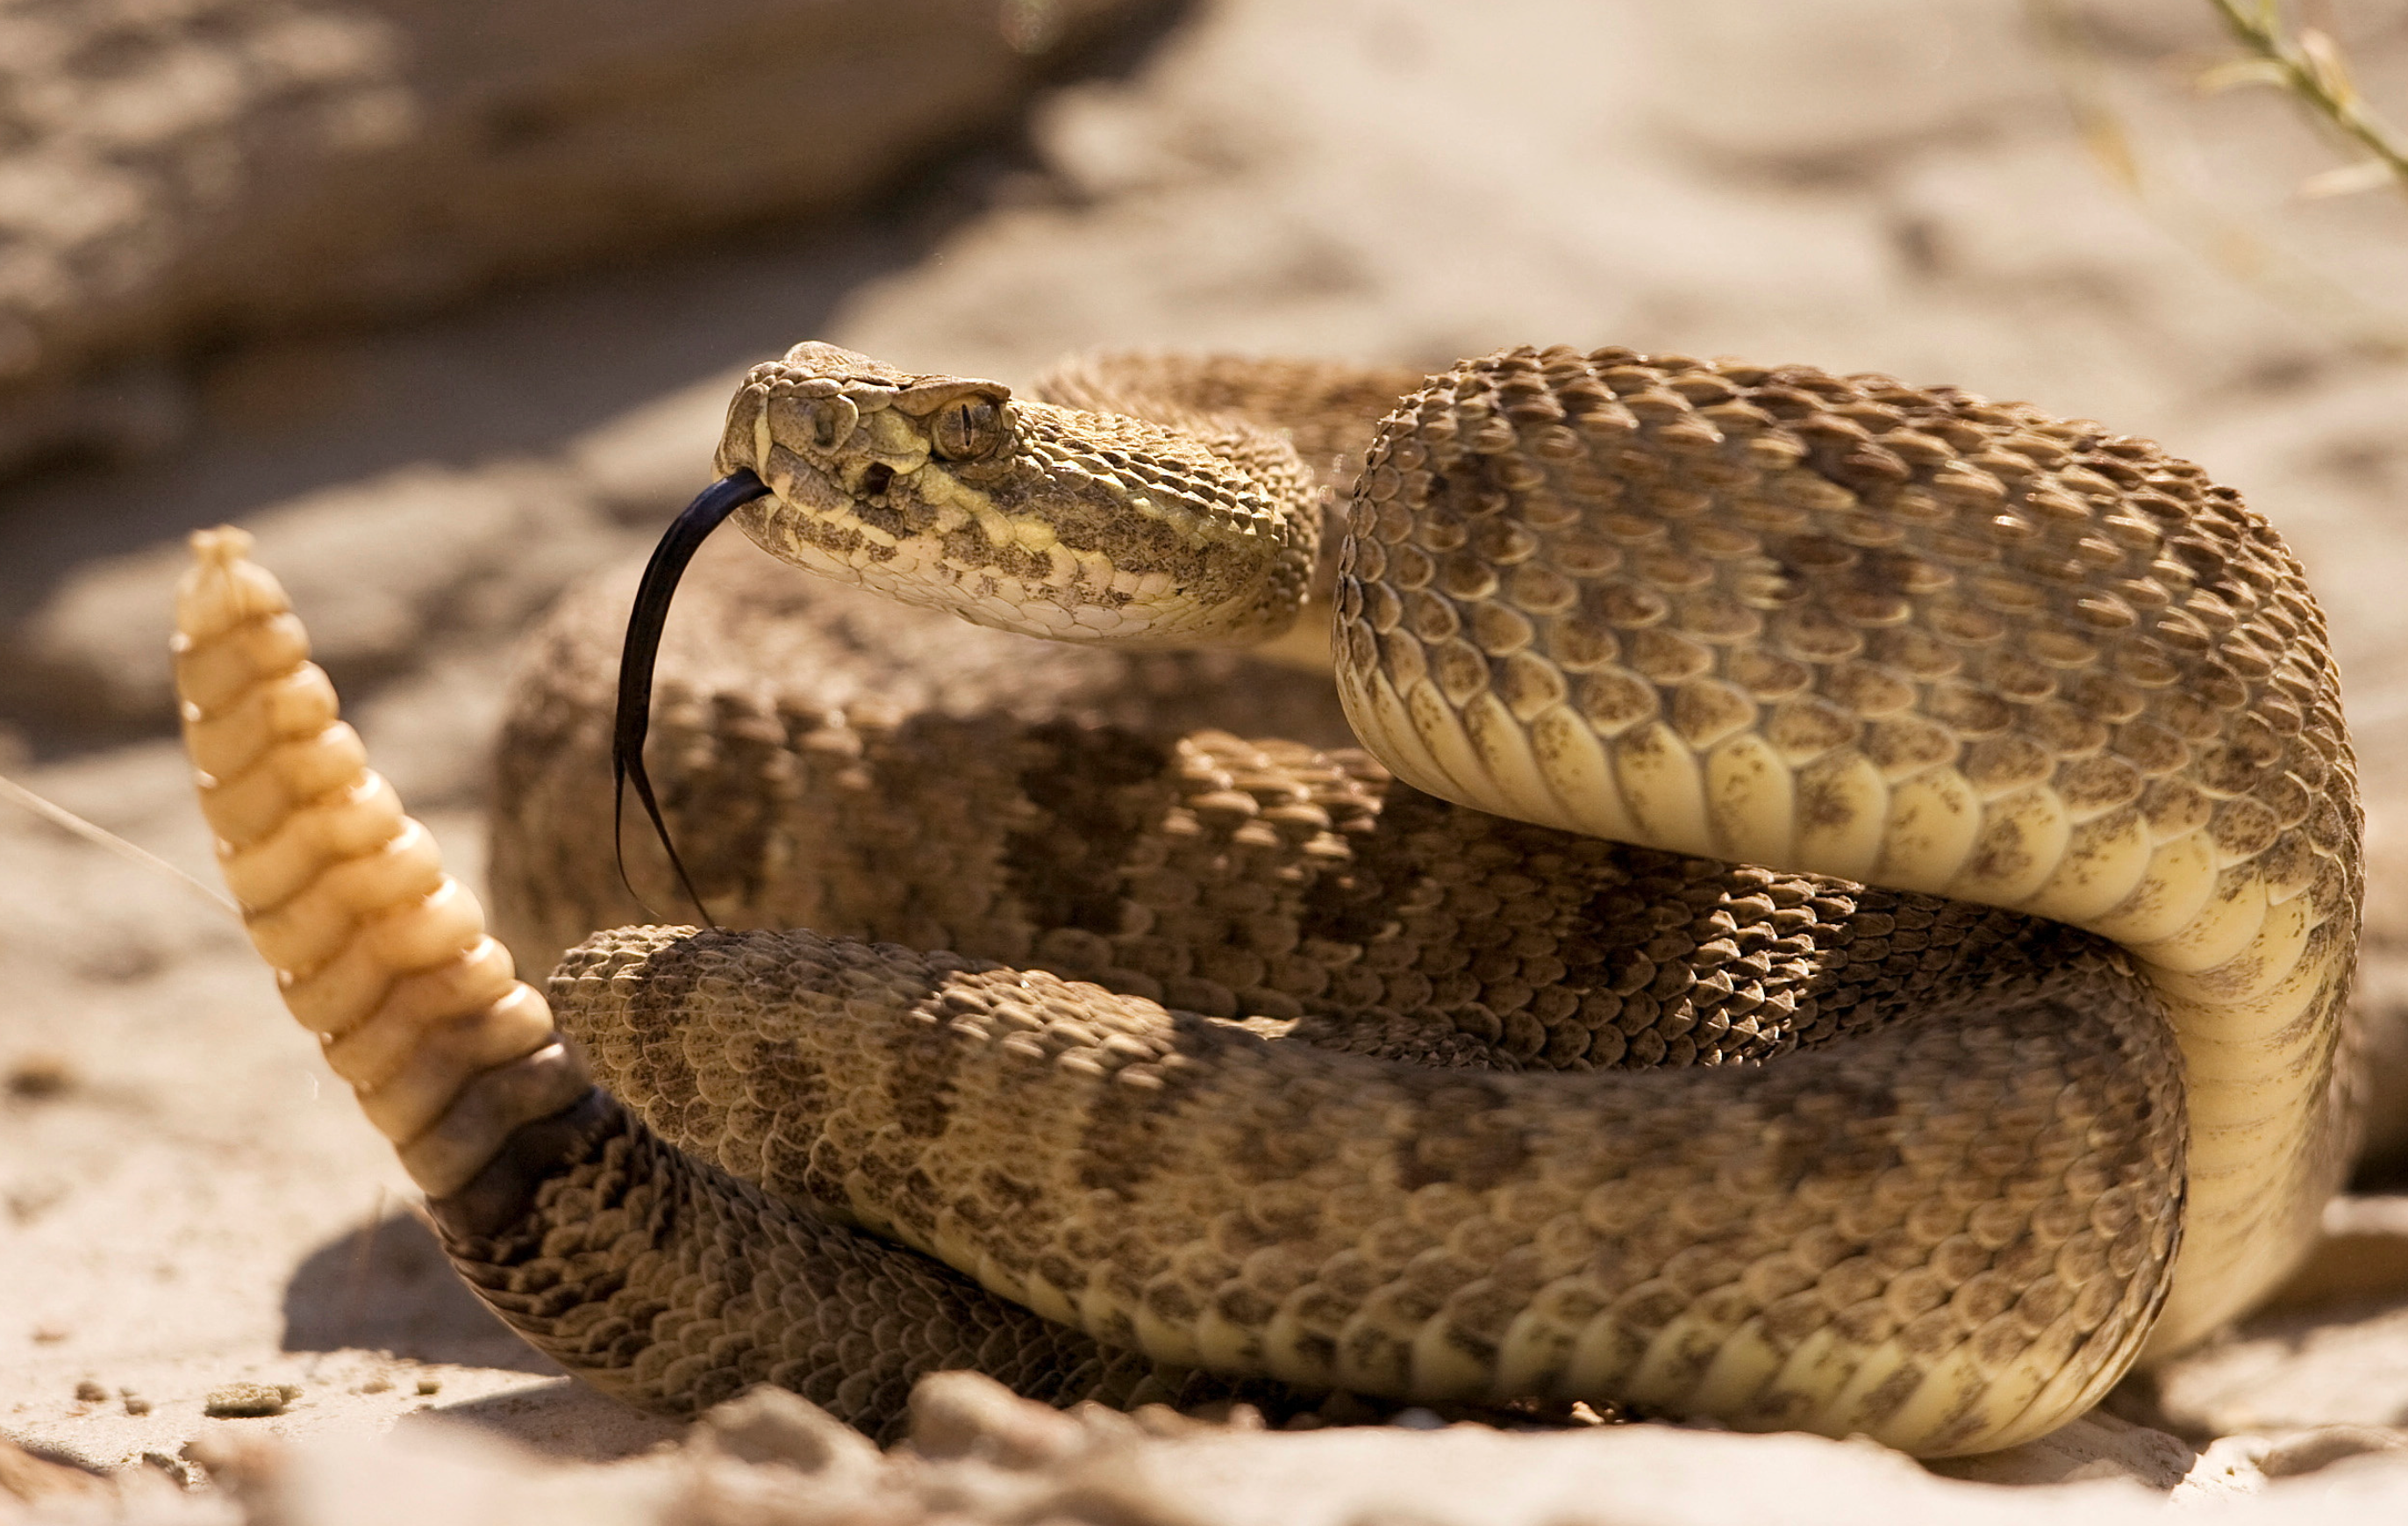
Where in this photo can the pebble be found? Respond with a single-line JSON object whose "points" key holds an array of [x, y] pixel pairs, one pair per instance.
{"points": [[186, 1473], [249, 1401], [91, 1392]]}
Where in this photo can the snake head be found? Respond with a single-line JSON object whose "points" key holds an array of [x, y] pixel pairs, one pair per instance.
{"points": [[830, 430], [949, 493]]}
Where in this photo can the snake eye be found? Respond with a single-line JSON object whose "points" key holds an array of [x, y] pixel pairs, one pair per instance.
{"points": [[832, 422], [971, 427]]}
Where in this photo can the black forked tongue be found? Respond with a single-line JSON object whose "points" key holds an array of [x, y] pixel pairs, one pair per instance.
{"points": [[685, 536]]}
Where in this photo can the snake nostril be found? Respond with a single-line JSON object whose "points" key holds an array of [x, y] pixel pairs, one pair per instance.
{"points": [[874, 480]]}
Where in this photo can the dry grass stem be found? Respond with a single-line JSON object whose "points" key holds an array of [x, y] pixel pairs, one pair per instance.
{"points": [[2313, 70]]}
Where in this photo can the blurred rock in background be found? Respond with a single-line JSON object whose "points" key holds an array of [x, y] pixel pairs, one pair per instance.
{"points": [[174, 174]]}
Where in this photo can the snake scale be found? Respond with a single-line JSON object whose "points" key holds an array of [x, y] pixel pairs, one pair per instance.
{"points": [[1847, 927]]}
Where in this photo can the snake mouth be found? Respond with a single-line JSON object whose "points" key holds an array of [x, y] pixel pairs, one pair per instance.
{"points": [[923, 537]]}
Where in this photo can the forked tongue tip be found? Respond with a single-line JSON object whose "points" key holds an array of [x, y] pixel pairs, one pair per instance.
{"points": [[633, 722]]}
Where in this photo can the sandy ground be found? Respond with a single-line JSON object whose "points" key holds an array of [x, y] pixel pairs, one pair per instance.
{"points": [[186, 1198]]}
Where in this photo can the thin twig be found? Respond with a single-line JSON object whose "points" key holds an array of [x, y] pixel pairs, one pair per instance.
{"points": [[2313, 70], [59, 815], [2239, 249]]}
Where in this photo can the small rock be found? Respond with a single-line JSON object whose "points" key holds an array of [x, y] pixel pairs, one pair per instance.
{"points": [[186, 1473], [1149, 1419], [771, 1425], [248, 1400], [91, 1392], [135, 1402], [375, 1384], [956, 1415], [428, 1386]]}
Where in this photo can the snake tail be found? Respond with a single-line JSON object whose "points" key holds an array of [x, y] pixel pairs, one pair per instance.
{"points": [[377, 950], [533, 1175]]}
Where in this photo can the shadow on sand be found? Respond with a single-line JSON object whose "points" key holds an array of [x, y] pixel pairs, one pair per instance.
{"points": [[386, 1287]]}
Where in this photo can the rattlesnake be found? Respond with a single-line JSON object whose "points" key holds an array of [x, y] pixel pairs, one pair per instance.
{"points": [[1298, 1071]]}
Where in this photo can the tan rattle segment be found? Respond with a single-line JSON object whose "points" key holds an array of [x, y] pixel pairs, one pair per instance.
{"points": [[377, 950]]}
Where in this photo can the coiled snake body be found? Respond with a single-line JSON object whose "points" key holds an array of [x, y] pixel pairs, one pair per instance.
{"points": [[1534, 1059]]}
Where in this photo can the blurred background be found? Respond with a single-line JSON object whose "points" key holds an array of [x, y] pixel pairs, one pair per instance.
{"points": [[443, 300]]}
